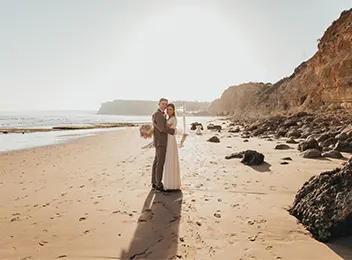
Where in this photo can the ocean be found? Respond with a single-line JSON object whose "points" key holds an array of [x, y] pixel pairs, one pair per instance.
{"points": [[49, 119]]}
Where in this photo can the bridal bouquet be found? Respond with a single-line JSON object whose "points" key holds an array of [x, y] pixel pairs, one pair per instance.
{"points": [[146, 131]]}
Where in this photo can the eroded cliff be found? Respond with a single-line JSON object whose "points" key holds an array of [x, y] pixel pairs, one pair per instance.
{"points": [[323, 81]]}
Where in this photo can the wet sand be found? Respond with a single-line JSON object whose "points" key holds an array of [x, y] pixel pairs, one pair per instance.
{"points": [[64, 128], [91, 199]]}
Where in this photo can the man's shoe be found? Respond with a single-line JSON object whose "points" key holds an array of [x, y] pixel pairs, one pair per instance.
{"points": [[160, 188], [153, 186]]}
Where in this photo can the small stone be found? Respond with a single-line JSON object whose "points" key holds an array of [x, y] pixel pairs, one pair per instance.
{"points": [[43, 243], [217, 215], [234, 155], [282, 147], [214, 139], [252, 239]]}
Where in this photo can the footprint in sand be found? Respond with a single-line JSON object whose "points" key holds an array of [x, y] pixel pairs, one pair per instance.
{"points": [[231, 238]]}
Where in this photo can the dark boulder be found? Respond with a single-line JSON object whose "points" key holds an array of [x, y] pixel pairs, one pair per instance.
{"points": [[214, 127], [333, 154], [294, 133], [214, 139], [341, 137], [329, 142], [323, 138], [259, 131], [324, 204], [234, 130], [342, 146], [290, 122], [291, 141], [252, 157], [309, 144], [311, 153]]}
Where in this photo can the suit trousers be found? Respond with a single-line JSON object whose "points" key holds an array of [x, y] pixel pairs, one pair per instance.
{"points": [[158, 166]]}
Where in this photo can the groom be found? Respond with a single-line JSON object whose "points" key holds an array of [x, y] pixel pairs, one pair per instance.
{"points": [[160, 141]]}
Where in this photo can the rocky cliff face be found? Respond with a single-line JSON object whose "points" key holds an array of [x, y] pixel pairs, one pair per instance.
{"points": [[238, 99], [140, 107], [322, 81]]}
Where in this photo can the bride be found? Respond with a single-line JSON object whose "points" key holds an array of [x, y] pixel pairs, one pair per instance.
{"points": [[171, 176]]}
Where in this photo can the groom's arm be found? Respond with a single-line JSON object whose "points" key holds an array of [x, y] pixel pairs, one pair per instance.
{"points": [[159, 120]]}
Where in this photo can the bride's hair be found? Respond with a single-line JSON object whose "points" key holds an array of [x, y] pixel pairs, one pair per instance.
{"points": [[174, 108]]}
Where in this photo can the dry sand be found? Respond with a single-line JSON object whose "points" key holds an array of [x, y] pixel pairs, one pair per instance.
{"points": [[91, 199]]}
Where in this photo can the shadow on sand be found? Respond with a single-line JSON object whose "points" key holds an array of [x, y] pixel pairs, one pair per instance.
{"points": [[342, 247], [156, 236], [264, 167]]}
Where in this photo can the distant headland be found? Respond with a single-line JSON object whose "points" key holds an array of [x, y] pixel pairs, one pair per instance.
{"points": [[147, 107]]}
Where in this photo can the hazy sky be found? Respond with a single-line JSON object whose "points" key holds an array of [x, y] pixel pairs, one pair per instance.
{"points": [[76, 54]]}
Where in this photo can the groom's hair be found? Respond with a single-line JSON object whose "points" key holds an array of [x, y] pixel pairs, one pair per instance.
{"points": [[163, 99]]}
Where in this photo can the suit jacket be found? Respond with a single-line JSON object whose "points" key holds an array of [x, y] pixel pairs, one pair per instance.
{"points": [[160, 137]]}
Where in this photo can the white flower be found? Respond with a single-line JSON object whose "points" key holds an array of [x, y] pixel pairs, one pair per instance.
{"points": [[146, 131]]}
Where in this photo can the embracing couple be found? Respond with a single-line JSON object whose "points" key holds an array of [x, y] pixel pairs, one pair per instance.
{"points": [[166, 167]]}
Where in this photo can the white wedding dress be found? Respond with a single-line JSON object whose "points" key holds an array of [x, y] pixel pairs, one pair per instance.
{"points": [[171, 176]]}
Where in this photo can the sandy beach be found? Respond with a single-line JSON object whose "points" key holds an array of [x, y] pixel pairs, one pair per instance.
{"points": [[91, 199]]}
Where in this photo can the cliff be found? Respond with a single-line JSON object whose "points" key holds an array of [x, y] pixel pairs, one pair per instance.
{"points": [[140, 107], [238, 99], [323, 81]]}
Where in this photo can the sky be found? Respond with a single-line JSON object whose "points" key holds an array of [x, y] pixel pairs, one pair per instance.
{"points": [[77, 54]]}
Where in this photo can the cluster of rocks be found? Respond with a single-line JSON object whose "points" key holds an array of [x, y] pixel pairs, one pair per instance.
{"points": [[324, 204], [195, 124], [321, 134]]}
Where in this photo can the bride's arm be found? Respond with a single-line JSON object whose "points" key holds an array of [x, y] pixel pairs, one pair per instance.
{"points": [[160, 124]]}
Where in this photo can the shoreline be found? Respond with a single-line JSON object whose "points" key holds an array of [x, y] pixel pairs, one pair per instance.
{"points": [[60, 200], [18, 142], [65, 128], [26, 138]]}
